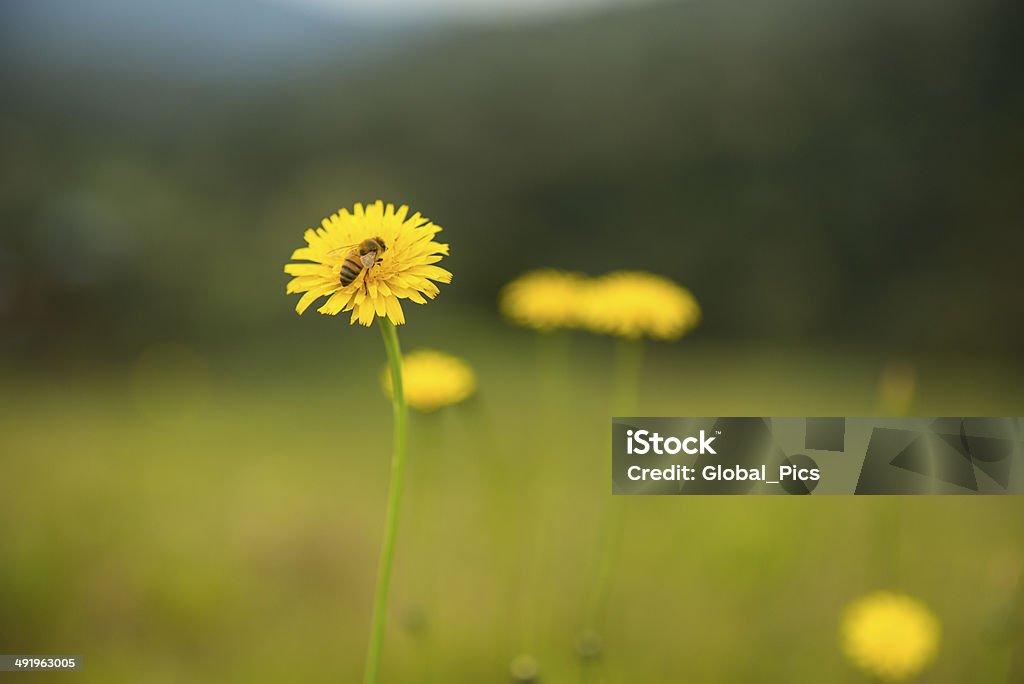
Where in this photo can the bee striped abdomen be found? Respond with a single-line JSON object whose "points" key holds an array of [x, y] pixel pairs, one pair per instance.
{"points": [[362, 257], [350, 269]]}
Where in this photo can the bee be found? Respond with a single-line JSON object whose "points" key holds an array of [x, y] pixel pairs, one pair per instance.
{"points": [[358, 257]]}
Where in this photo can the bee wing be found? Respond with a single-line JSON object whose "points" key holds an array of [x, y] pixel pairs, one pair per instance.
{"points": [[343, 251]]}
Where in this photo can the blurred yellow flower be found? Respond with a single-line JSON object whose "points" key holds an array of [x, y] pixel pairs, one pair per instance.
{"points": [[635, 304], [889, 636], [897, 386], [433, 380], [404, 269], [544, 299]]}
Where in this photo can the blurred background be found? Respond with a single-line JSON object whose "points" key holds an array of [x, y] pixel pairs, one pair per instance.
{"points": [[192, 479]]}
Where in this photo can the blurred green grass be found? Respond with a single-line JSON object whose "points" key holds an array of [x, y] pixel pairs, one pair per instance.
{"points": [[202, 516]]}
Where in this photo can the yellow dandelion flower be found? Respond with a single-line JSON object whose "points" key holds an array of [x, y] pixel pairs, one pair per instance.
{"points": [[433, 380], [403, 268], [897, 386], [635, 304], [544, 299], [890, 636]]}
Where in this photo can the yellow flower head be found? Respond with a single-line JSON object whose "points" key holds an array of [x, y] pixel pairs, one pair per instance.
{"points": [[432, 380], [890, 636], [545, 299], [404, 269], [635, 304], [897, 387]]}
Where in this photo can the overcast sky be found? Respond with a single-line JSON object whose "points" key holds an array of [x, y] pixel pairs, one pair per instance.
{"points": [[453, 8]]}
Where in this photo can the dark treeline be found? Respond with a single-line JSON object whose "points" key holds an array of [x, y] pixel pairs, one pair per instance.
{"points": [[812, 171]]}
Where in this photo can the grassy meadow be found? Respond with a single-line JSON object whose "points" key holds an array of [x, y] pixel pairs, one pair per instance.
{"points": [[207, 516], [193, 480]]}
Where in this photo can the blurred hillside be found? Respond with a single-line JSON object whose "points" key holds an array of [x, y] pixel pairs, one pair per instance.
{"points": [[813, 171]]}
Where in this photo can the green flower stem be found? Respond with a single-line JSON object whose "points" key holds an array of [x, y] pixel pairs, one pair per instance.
{"points": [[553, 352], [554, 374], [398, 462], [888, 533], [888, 529], [428, 434], [629, 356], [629, 361]]}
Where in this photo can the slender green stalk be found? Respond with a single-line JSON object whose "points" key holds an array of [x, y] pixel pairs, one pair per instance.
{"points": [[628, 366], [629, 361], [553, 381], [887, 533], [629, 355], [553, 350], [888, 528], [420, 503], [398, 461]]}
